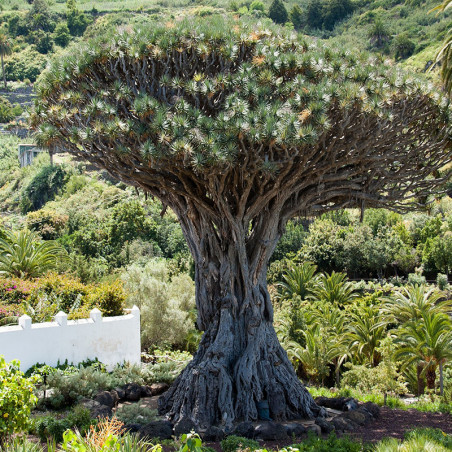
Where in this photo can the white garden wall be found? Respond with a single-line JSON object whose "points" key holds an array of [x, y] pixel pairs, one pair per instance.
{"points": [[111, 340]]}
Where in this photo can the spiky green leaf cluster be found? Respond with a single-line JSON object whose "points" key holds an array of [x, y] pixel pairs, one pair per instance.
{"points": [[198, 94]]}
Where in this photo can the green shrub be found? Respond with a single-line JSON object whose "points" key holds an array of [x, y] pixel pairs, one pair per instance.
{"points": [[165, 304], [77, 22], [6, 110], [434, 434], [44, 42], [166, 368], [233, 443], [135, 414], [416, 444], [257, 5], [61, 35], [109, 298], [51, 427], [43, 187], [68, 389], [442, 281], [27, 64], [109, 442], [278, 12], [416, 279], [47, 222], [332, 443], [16, 399], [403, 46]]}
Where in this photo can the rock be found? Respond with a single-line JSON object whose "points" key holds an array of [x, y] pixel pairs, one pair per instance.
{"points": [[351, 405], [366, 413], [185, 425], [146, 391], [132, 428], [356, 416], [244, 429], [156, 429], [270, 431], [213, 434], [337, 403], [342, 425], [133, 392], [295, 429], [108, 398], [96, 409], [159, 388], [372, 408], [121, 393], [314, 428], [325, 426]]}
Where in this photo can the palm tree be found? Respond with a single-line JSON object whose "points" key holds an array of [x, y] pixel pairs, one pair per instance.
{"points": [[298, 281], [444, 55], [333, 322], [5, 49], [366, 331], [317, 354], [23, 255], [427, 344], [334, 289], [379, 34], [411, 302]]}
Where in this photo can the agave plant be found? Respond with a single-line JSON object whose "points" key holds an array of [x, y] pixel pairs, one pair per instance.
{"points": [[24, 255]]}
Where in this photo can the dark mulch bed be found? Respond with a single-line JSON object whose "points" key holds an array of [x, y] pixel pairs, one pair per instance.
{"points": [[392, 423], [395, 423]]}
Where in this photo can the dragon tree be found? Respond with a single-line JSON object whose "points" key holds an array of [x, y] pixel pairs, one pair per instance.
{"points": [[238, 127]]}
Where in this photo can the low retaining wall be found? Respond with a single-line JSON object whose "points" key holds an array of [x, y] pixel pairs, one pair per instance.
{"points": [[112, 340]]}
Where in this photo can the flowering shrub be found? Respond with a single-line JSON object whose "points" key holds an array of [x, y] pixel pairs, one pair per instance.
{"points": [[16, 399], [10, 313], [69, 291], [43, 297], [15, 290]]}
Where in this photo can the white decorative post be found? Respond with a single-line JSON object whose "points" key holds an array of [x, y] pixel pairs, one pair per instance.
{"points": [[96, 315], [135, 311], [25, 322], [61, 318]]}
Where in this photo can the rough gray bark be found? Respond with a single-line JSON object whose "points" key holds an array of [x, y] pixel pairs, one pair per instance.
{"points": [[239, 361]]}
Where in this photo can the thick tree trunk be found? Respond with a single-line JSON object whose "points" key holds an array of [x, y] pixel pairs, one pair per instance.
{"points": [[239, 361], [441, 379], [431, 377]]}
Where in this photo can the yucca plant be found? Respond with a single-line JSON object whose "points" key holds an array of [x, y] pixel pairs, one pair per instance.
{"points": [[249, 126], [24, 255]]}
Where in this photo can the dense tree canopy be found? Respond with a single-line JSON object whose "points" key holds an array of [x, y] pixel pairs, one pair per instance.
{"points": [[238, 128]]}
